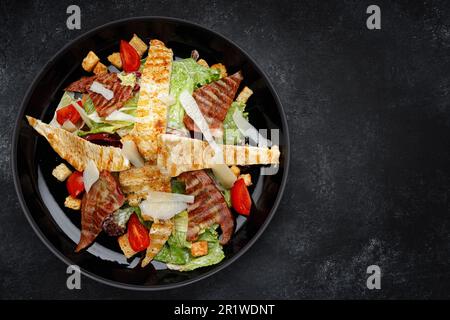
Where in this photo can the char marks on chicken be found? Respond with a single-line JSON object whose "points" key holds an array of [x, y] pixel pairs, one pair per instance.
{"points": [[209, 206]]}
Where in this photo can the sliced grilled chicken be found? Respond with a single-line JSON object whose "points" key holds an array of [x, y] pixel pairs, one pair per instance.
{"points": [[77, 151], [209, 206], [137, 182], [214, 100], [180, 154], [160, 231], [155, 83]]}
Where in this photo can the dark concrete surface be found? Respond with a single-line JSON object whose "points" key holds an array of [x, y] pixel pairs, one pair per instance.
{"points": [[369, 118]]}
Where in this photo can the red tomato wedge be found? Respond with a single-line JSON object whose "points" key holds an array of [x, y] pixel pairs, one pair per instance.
{"points": [[240, 197], [68, 113], [129, 56], [137, 234], [75, 184]]}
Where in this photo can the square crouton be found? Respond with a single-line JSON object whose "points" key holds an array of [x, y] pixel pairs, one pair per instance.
{"points": [[236, 171], [61, 172], [115, 60], [203, 63], [244, 95], [72, 203], [221, 68], [125, 246], [138, 45], [100, 68], [199, 248], [90, 61], [247, 179]]}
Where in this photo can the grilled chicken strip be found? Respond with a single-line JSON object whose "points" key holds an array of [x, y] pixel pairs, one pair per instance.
{"points": [[110, 81], [155, 83], [103, 198], [160, 231], [137, 182], [180, 154], [78, 151], [209, 206], [214, 100]]}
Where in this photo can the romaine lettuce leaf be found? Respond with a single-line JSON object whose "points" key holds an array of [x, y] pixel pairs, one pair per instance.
{"points": [[186, 75], [88, 105], [231, 133], [110, 127], [214, 256], [178, 186], [178, 236], [146, 223], [179, 258]]}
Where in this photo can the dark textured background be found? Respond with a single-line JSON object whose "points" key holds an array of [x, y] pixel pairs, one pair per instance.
{"points": [[369, 124]]}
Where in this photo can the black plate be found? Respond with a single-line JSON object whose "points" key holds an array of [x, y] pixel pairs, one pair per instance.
{"points": [[42, 197]]}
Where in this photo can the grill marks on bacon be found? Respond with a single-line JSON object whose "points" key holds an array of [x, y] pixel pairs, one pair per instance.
{"points": [[214, 100], [209, 206], [103, 198], [110, 81]]}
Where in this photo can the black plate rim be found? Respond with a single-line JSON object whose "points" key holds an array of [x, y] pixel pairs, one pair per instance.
{"points": [[62, 257]]}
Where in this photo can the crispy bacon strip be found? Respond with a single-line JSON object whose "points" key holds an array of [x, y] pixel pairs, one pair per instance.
{"points": [[110, 81], [103, 199], [209, 206], [214, 100]]}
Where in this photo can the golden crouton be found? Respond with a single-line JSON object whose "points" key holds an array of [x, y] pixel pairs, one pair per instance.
{"points": [[247, 179], [221, 68], [125, 246], [134, 200], [61, 172], [115, 60], [100, 68], [202, 62], [138, 45], [72, 203], [90, 61], [199, 248], [236, 171], [244, 95]]}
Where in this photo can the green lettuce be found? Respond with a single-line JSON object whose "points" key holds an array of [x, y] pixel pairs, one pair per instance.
{"points": [[138, 212], [231, 133], [110, 127], [186, 75], [214, 256], [122, 215], [88, 105], [176, 252], [178, 186], [178, 236]]}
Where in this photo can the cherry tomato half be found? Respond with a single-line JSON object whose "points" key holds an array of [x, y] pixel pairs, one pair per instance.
{"points": [[68, 113], [137, 234], [129, 56], [240, 197], [75, 184]]}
